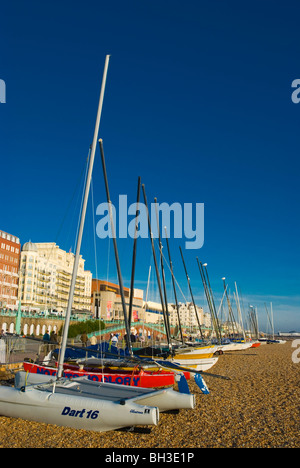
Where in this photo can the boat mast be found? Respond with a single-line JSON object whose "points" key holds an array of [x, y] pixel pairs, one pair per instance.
{"points": [[257, 326], [272, 320], [82, 220], [253, 320], [269, 318], [192, 296], [134, 252], [162, 269], [157, 271], [174, 288], [230, 311], [146, 298], [209, 298], [239, 311], [127, 326]]}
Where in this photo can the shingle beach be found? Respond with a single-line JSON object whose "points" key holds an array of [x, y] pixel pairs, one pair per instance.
{"points": [[258, 407]]}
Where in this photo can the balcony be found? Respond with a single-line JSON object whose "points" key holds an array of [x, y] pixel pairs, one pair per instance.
{"points": [[9, 285], [43, 272]]}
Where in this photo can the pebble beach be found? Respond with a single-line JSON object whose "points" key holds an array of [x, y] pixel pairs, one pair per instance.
{"points": [[257, 408]]}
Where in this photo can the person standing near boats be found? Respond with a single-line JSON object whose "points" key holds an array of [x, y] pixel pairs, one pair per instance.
{"points": [[84, 339], [114, 340], [46, 339], [93, 340]]}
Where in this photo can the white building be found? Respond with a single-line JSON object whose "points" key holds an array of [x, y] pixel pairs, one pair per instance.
{"points": [[45, 278], [187, 315], [188, 319], [153, 312]]}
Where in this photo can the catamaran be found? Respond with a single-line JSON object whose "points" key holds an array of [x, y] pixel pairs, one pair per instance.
{"points": [[81, 403]]}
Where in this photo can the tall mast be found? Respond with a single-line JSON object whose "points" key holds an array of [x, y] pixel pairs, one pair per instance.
{"points": [[82, 220], [192, 296], [134, 252], [210, 299], [257, 326], [272, 319], [162, 269], [113, 232], [157, 271], [253, 319], [147, 290], [230, 311], [174, 288], [213, 303], [239, 311]]}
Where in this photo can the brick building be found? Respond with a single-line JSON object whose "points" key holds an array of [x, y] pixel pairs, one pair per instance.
{"points": [[9, 270]]}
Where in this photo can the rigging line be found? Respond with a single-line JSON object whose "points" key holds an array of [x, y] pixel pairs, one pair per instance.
{"points": [[96, 263], [69, 206], [167, 263], [85, 177], [94, 231], [82, 197], [221, 304], [108, 255]]}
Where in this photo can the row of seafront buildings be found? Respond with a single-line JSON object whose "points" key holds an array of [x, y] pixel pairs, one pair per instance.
{"points": [[38, 275]]}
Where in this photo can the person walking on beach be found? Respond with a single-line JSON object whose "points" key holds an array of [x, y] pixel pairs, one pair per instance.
{"points": [[53, 339], [114, 340], [84, 339], [46, 339], [93, 340]]}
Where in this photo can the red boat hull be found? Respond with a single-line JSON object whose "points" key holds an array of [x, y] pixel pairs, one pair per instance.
{"points": [[255, 345], [140, 378]]}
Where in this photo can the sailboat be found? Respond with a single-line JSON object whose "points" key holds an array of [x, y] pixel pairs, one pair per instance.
{"points": [[118, 373], [196, 359], [80, 403], [253, 326], [271, 319], [233, 343]]}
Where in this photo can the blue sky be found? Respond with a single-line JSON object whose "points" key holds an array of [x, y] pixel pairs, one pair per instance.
{"points": [[198, 103]]}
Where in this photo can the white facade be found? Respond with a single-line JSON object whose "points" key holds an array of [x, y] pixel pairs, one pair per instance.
{"points": [[153, 314], [45, 278], [187, 315]]}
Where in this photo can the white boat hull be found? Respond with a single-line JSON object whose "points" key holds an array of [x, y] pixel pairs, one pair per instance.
{"points": [[165, 399], [73, 411], [83, 404], [203, 350], [196, 364], [235, 346]]}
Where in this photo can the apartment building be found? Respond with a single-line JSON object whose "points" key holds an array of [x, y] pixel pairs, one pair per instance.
{"points": [[107, 304], [187, 315], [45, 279], [9, 268], [154, 314]]}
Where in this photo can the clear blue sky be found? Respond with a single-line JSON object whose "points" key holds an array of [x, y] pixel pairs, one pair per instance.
{"points": [[198, 103]]}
